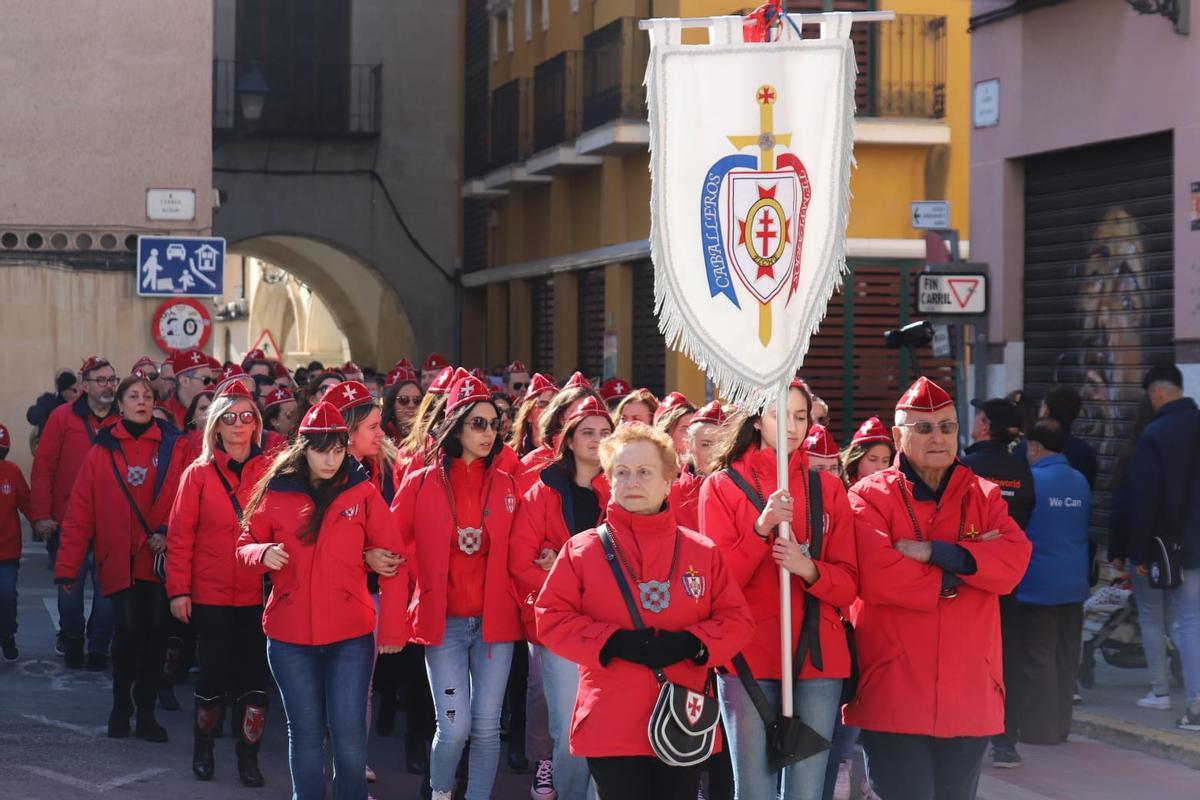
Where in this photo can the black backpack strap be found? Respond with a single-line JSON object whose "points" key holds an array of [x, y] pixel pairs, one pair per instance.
{"points": [[810, 628], [757, 501], [237, 507], [757, 697]]}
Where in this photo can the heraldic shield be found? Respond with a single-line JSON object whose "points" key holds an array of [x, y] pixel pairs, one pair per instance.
{"points": [[750, 153]]}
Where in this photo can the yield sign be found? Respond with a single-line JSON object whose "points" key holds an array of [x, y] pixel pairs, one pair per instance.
{"points": [[266, 343], [960, 293], [963, 289]]}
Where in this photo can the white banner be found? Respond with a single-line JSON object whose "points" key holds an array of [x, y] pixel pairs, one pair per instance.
{"points": [[750, 153]]}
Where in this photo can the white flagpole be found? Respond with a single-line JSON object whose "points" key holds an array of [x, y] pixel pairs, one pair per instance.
{"points": [[785, 579]]}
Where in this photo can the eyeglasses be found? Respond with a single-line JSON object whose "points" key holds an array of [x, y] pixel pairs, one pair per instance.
{"points": [[150, 376], [543, 403], [230, 417], [948, 427], [111, 380], [404, 401], [520, 387], [481, 424], [207, 381]]}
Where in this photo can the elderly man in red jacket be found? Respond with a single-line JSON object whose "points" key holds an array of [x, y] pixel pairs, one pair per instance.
{"points": [[936, 548], [69, 434]]}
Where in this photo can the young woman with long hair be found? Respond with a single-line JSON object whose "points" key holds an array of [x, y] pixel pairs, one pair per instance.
{"points": [[281, 412], [209, 587], [703, 433], [402, 397], [415, 448], [119, 508], [741, 506], [569, 498], [525, 436], [637, 406], [871, 450], [672, 417], [309, 521], [550, 423], [454, 517]]}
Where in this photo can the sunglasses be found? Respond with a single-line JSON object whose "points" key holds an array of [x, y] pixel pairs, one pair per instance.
{"points": [[111, 380], [948, 427], [230, 417], [543, 403], [481, 424], [150, 376], [209, 381], [520, 387], [404, 401]]}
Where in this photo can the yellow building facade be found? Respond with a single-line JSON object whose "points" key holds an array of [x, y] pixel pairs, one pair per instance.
{"points": [[556, 211]]}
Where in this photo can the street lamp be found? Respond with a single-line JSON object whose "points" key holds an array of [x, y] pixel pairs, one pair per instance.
{"points": [[251, 91]]}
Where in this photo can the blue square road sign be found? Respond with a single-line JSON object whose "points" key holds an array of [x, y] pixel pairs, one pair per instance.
{"points": [[180, 266]]}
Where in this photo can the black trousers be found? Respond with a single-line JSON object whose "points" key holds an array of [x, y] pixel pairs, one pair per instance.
{"points": [[1040, 681], [643, 778], [904, 766], [139, 644], [420, 718], [233, 650]]}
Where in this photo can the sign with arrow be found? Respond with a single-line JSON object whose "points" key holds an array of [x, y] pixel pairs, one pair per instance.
{"points": [[951, 293], [930, 215]]}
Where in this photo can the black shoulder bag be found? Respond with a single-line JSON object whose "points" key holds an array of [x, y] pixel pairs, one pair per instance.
{"points": [[1166, 549], [683, 724]]}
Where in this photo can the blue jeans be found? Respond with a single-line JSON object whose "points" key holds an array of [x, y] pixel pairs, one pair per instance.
{"points": [[468, 677], [324, 689], [539, 746], [1185, 601], [1153, 607], [815, 701], [70, 610], [560, 678], [8, 597]]}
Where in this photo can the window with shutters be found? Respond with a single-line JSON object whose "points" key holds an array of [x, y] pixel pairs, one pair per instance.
{"points": [[475, 89], [649, 348], [543, 325], [590, 359]]}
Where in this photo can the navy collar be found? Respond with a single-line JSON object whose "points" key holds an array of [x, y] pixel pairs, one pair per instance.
{"points": [[921, 490]]}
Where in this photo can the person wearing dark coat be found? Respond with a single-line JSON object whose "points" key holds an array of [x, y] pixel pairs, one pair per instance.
{"points": [[66, 390], [1063, 403]]}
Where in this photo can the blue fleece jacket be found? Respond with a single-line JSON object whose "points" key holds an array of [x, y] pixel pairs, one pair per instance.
{"points": [[1058, 529]]}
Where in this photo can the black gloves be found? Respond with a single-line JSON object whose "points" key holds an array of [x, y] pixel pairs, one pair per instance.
{"points": [[651, 649]]}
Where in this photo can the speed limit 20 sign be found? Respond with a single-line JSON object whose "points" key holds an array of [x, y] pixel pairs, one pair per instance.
{"points": [[181, 323]]}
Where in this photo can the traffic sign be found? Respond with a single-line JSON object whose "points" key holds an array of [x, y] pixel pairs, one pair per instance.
{"points": [[958, 293], [930, 215], [180, 324], [180, 266], [266, 343]]}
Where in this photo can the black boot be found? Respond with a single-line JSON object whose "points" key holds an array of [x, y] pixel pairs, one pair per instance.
{"points": [[167, 700], [122, 709], [219, 730], [144, 696], [74, 655], [251, 714], [202, 743]]}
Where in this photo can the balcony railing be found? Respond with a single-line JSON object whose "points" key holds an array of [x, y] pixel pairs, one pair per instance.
{"points": [[614, 62], [512, 118], [906, 68], [304, 98], [557, 95]]}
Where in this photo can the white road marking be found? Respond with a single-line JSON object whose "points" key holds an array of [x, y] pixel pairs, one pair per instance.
{"points": [[82, 730], [130, 778], [992, 788], [95, 788]]}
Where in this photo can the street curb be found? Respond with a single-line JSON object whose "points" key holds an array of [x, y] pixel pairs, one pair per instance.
{"points": [[1182, 748]]}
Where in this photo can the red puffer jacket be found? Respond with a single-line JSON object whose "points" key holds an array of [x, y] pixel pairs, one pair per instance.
{"points": [[100, 516], [422, 510], [931, 665], [727, 517], [581, 606], [69, 434], [320, 596], [685, 498], [203, 531], [14, 497], [531, 466]]}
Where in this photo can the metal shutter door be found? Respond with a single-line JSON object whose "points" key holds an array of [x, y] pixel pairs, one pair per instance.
{"points": [[1099, 283], [590, 357], [649, 349], [543, 326]]}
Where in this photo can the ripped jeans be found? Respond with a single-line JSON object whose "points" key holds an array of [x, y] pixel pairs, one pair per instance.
{"points": [[467, 677]]}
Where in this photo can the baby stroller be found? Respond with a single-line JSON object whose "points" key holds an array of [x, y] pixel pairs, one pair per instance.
{"points": [[1110, 626]]}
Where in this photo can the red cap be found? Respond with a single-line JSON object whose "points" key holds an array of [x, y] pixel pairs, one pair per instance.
{"points": [[577, 381], [712, 414], [589, 407], [614, 389], [820, 442], [400, 375], [235, 389], [466, 391], [405, 363], [434, 361], [441, 384], [255, 355], [480, 374], [537, 384], [187, 360], [347, 395], [323, 418], [5, 439], [870, 432], [94, 362], [799, 384], [924, 395], [278, 397], [214, 364], [281, 370], [499, 391], [350, 368], [517, 366], [144, 363], [670, 403], [232, 371]]}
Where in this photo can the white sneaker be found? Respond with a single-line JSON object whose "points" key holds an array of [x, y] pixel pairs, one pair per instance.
{"points": [[543, 782], [1159, 702], [841, 787]]}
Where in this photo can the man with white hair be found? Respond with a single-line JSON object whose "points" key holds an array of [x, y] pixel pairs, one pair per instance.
{"points": [[936, 548]]}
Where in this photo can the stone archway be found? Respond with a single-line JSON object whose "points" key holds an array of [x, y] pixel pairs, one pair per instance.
{"points": [[367, 311]]}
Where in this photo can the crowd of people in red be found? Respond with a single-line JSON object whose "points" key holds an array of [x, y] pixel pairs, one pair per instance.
{"points": [[433, 528]]}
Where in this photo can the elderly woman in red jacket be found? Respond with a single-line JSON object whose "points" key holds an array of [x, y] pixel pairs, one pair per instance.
{"points": [[570, 498], [696, 616], [454, 517], [309, 521], [209, 587], [741, 506], [119, 506]]}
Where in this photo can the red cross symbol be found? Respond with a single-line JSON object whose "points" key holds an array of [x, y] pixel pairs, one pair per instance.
{"points": [[693, 707], [765, 234], [765, 95]]}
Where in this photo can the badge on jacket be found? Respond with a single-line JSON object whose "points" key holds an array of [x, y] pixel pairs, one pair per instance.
{"points": [[135, 476], [510, 503], [693, 583], [5, 488], [350, 512]]}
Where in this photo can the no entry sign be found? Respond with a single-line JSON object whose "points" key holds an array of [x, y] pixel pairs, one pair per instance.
{"points": [[951, 293]]}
